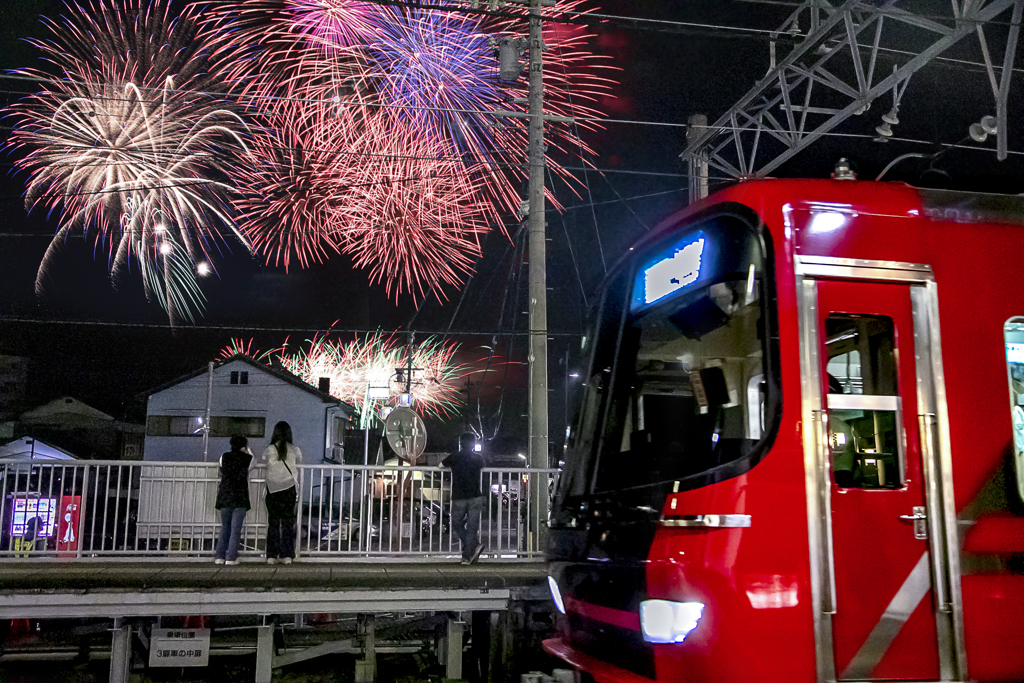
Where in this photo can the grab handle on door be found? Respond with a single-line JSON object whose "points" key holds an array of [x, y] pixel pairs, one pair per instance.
{"points": [[918, 518]]}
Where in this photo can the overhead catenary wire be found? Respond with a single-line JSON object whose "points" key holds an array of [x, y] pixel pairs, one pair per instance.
{"points": [[245, 327], [662, 124], [588, 18]]}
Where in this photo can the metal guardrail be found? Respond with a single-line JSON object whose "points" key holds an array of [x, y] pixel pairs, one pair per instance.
{"points": [[132, 511]]}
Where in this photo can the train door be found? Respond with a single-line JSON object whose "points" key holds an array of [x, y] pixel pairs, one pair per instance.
{"points": [[879, 480]]}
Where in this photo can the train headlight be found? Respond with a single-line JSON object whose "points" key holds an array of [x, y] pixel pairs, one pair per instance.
{"points": [[556, 595], [664, 621]]}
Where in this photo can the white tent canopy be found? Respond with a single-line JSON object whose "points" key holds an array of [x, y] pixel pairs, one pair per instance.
{"points": [[25, 449]]}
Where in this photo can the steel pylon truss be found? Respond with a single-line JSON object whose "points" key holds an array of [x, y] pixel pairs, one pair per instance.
{"points": [[831, 75]]}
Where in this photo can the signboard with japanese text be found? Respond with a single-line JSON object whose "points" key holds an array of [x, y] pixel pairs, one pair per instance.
{"points": [[179, 647], [67, 525]]}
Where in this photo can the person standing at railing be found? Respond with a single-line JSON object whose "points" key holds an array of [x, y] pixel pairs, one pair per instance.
{"points": [[467, 499], [233, 498], [282, 459]]}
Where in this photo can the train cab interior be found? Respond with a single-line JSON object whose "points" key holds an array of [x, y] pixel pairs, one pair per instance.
{"points": [[690, 389]]}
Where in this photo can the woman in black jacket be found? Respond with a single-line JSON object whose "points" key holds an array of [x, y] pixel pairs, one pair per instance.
{"points": [[233, 498]]}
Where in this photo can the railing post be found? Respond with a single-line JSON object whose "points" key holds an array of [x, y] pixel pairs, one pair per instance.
{"points": [[300, 495], [81, 512]]}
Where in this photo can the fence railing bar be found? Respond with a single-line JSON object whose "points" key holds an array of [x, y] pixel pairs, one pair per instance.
{"points": [[165, 509]]}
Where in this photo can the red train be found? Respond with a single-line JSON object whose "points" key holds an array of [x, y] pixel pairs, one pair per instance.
{"points": [[799, 454]]}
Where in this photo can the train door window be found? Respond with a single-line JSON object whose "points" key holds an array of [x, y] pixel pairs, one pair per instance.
{"points": [[1013, 332], [865, 436]]}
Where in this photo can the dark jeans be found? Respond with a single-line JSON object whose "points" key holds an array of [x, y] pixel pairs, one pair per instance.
{"points": [[231, 520], [281, 523], [466, 522]]}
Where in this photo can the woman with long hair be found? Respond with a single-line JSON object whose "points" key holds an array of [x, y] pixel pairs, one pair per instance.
{"points": [[281, 459]]}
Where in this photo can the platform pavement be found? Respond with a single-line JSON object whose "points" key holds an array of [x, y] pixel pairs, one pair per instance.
{"points": [[110, 589]]}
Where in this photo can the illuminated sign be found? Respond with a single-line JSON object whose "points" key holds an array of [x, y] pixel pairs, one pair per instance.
{"points": [[27, 509], [1015, 353], [670, 271]]}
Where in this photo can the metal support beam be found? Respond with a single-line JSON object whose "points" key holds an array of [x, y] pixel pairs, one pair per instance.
{"points": [[132, 603], [264, 653], [331, 647], [453, 660], [824, 78], [120, 652], [1002, 123]]}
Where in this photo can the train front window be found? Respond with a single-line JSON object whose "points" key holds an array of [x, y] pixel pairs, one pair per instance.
{"points": [[690, 399]]}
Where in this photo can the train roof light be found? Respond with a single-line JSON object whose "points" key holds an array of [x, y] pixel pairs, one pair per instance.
{"points": [[664, 621], [826, 221]]}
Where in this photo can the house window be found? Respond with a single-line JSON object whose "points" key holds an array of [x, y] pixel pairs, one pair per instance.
{"points": [[174, 425], [239, 377], [220, 426], [252, 427]]}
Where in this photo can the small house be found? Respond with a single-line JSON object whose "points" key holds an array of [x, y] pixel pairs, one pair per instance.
{"points": [[241, 396]]}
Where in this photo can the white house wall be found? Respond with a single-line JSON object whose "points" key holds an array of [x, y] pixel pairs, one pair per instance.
{"points": [[264, 396]]}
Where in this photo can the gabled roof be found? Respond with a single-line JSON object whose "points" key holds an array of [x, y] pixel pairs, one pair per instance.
{"points": [[65, 411], [279, 373]]}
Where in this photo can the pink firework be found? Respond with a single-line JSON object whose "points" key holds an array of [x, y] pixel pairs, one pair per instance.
{"points": [[239, 346], [415, 217], [575, 81], [290, 200], [373, 362], [437, 164], [332, 24]]}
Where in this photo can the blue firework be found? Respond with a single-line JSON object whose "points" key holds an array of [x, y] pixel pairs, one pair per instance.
{"points": [[439, 70]]}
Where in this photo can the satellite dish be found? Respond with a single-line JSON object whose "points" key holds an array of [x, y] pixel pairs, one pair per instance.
{"points": [[406, 434]]}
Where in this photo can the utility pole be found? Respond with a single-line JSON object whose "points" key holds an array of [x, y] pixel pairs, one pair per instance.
{"points": [[408, 366], [538, 422], [206, 415]]}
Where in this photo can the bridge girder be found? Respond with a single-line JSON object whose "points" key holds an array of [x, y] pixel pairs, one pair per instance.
{"points": [[830, 75]]}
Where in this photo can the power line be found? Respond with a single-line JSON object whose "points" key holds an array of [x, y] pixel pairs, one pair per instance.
{"points": [[263, 328]]}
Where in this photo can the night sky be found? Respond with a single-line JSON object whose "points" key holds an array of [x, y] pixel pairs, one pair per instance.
{"points": [[107, 347]]}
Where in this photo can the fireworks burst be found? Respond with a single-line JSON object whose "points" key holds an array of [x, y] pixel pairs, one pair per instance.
{"points": [[332, 24], [414, 219], [292, 198], [423, 83], [372, 363], [247, 348], [127, 145]]}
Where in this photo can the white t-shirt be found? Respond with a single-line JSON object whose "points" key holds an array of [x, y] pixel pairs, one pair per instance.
{"points": [[281, 474]]}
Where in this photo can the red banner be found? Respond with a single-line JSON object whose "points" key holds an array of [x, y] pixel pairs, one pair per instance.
{"points": [[67, 526]]}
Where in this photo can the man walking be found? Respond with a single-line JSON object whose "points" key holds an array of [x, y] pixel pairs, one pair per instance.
{"points": [[467, 499]]}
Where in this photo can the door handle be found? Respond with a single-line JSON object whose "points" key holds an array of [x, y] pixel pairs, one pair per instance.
{"points": [[918, 518]]}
